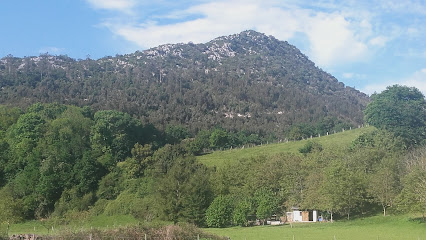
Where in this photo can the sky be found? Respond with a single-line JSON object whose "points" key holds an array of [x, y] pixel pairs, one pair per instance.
{"points": [[366, 44]]}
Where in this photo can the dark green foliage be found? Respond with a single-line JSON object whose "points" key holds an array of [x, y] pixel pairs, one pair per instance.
{"points": [[111, 185], [310, 146], [164, 158], [400, 110], [140, 160], [219, 139], [53, 154], [301, 131], [114, 134], [184, 192], [87, 173], [175, 134]]}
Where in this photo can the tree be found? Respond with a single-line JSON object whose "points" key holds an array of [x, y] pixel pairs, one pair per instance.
{"points": [[200, 143], [242, 212], [342, 189], [140, 160], [219, 213], [219, 138], [267, 202], [184, 192], [413, 195], [10, 209], [114, 134], [400, 110], [176, 133], [384, 184]]}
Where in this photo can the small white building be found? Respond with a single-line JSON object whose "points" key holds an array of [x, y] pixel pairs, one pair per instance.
{"points": [[302, 216]]}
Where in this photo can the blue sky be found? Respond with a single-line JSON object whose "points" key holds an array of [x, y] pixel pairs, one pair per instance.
{"points": [[367, 44]]}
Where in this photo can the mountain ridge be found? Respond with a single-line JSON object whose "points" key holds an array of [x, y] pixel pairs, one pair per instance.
{"points": [[245, 81]]}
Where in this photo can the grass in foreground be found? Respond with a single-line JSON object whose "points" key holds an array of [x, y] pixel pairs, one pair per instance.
{"points": [[53, 226], [372, 228], [334, 141]]}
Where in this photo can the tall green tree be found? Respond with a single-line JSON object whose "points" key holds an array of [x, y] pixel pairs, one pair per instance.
{"points": [[343, 189], [267, 203], [184, 192], [219, 213], [384, 184], [113, 135], [400, 110]]}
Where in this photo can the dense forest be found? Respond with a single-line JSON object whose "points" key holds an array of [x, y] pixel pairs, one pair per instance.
{"points": [[66, 162], [247, 81]]}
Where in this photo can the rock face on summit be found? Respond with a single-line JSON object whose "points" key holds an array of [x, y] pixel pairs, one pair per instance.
{"points": [[247, 81]]}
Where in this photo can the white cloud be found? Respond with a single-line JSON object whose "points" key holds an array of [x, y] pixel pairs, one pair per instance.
{"points": [[118, 5], [218, 18], [333, 39], [379, 41], [417, 79]]}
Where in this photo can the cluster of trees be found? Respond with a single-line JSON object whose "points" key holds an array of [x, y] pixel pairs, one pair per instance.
{"points": [[362, 180], [327, 125], [58, 158], [70, 162]]}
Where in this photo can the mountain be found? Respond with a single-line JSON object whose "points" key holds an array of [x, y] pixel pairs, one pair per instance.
{"points": [[247, 81]]}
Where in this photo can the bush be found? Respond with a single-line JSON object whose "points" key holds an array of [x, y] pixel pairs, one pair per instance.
{"points": [[310, 147]]}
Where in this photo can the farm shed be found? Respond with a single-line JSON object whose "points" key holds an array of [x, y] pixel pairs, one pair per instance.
{"points": [[302, 216]]}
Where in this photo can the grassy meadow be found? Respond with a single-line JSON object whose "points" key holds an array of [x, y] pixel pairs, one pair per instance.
{"points": [[330, 142], [53, 226], [404, 227], [373, 228]]}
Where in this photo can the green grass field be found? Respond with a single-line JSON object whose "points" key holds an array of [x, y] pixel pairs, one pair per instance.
{"points": [[331, 142], [372, 228], [405, 227], [52, 226]]}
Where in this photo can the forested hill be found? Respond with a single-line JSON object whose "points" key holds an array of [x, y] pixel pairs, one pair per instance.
{"points": [[246, 81]]}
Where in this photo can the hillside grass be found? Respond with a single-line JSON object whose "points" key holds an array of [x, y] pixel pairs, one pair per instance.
{"points": [[331, 142], [52, 226], [372, 228]]}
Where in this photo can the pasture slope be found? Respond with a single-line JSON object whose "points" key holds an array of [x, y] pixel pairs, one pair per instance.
{"points": [[399, 227], [329, 143]]}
